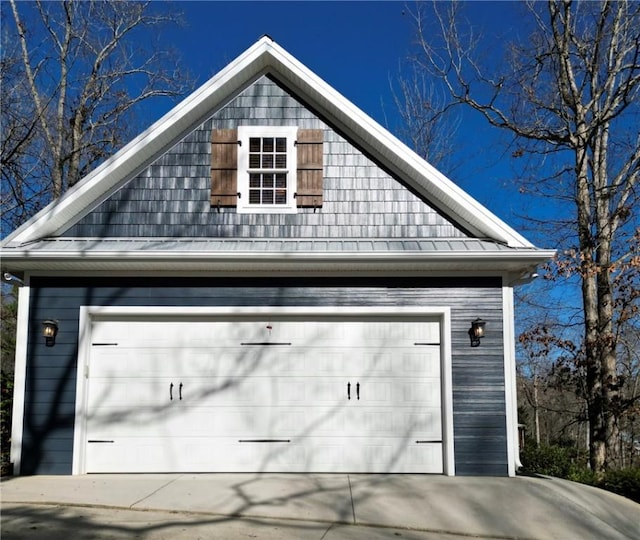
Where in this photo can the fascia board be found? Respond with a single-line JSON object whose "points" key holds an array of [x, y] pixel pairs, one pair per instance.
{"points": [[106, 178], [24, 260]]}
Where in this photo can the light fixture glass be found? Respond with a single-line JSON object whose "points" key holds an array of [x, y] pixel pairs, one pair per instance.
{"points": [[49, 332], [476, 332]]}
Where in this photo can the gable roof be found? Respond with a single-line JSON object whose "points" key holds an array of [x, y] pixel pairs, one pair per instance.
{"points": [[265, 57]]}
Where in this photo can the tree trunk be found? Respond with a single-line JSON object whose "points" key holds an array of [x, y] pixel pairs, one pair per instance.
{"points": [[536, 409]]}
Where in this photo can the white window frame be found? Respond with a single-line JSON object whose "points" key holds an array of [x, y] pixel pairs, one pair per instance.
{"points": [[244, 133]]}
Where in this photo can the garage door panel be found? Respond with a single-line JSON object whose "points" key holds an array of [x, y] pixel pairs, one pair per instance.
{"points": [[166, 361], [221, 333], [132, 391], [136, 454], [322, 395], [123, 421], [238, 361], [264, 423], [260, 391], [410, 424], [324, 455]]}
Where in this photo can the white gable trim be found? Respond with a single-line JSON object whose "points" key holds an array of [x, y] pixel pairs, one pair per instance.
{"points": [[264, 57]]}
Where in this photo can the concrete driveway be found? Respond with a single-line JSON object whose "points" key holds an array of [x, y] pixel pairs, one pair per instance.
{"points": [[311, 506]]}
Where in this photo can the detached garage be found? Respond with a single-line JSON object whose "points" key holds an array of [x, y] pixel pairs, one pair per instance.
{"points": [[266, 280]]}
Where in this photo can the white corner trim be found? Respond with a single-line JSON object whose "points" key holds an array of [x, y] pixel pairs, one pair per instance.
{"points": [[80, 417], [510, 378], [20, 375], [446, 381]]}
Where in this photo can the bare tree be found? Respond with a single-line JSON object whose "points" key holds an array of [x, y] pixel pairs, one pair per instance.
{"points": [[72, 75], [568, 94], [20, 196], [428, 132]]}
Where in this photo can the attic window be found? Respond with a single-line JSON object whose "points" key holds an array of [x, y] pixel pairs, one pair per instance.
{"points": [[266, 169]]}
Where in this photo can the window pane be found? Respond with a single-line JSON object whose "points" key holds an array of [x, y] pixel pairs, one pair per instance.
{"points": [[281, 196], [281, 180], [254, 196], [267, 180], [254, 144], [267, 144], [281, 161], [254, 161], [267, 196], [254, 180], [281, 144], [267, 161]]}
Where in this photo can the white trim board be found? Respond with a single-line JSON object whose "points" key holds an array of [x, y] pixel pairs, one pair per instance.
{"points": [[510, 380], [90, 313], [20, 375]]}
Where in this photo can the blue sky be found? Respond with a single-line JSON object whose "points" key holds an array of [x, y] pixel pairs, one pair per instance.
{"points": [[358, 48]]}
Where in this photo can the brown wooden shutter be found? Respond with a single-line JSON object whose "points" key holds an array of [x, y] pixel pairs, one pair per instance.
{"points": [[224, 167], [309, 188]]}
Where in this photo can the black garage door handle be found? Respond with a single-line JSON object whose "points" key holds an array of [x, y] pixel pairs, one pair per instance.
{"points": [[180, 391], [171, 391], [348, 390]]}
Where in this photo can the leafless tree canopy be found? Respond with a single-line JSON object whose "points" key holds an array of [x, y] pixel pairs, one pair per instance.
{"points": [[568, 93], [429, 133], [72, 75]]}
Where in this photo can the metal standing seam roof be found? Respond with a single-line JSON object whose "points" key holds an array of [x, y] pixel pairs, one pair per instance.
{"points": [[234, 256], [262, 246]]}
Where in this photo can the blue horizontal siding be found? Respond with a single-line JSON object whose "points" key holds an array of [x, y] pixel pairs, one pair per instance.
{"points": [[478, 374]]}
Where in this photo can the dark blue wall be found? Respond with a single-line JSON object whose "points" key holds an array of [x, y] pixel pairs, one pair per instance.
{"points": [[478, 373]]}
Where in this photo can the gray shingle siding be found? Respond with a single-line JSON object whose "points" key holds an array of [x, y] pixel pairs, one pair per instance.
{"points": [[478, 373], [171, 196]]}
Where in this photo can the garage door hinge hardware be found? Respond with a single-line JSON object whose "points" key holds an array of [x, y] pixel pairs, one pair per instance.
{"points": [[261, 343], [427, 442], [427, 344], [104, 344], [265, 440], [98, 441]]}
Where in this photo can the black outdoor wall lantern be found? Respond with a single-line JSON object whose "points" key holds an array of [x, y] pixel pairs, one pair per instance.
{"points": [[49, 332], [476, 332]]}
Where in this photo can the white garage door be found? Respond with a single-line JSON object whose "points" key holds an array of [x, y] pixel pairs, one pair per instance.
{"points": [[276, 396]]}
